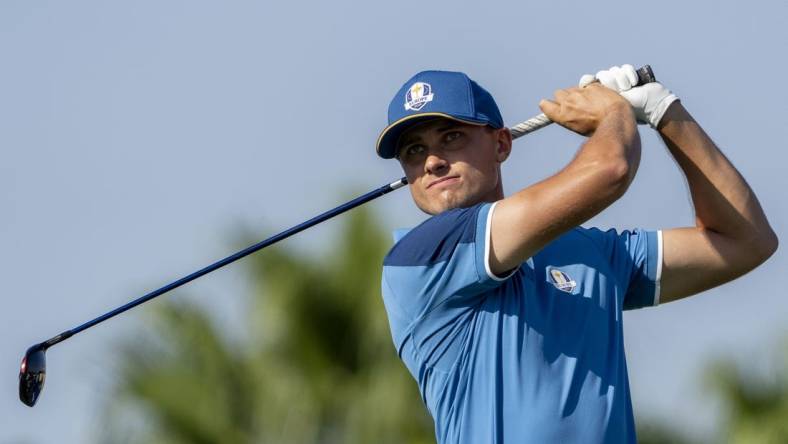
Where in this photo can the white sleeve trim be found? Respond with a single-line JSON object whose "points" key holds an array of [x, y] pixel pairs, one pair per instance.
{"points": [[659, 269], [487, 242]]}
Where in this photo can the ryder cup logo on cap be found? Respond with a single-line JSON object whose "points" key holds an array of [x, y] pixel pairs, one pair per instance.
{"points": [[450, 95], [562, 281], [418, 95]]}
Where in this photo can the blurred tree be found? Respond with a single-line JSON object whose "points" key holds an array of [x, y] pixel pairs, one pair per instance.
{"points": [[651, 432], [318, 364], [757, 407]]}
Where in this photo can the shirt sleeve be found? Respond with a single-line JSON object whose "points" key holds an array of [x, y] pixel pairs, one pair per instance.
{"points": [[443, 260], [636, 260]]}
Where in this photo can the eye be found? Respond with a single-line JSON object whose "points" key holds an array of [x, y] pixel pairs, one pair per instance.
{"points": [[413, 150], [451, 136]]}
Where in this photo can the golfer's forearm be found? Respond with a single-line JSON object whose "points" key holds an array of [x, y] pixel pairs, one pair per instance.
{"points": [[599, 174], [616, 140], [723, 201]]}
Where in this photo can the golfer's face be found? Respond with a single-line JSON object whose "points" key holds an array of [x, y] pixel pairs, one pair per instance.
{"points": [[450, 164]]}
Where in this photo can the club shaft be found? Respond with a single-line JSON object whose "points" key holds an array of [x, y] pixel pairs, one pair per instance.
{"points": [[644, 73], [374, 194]]}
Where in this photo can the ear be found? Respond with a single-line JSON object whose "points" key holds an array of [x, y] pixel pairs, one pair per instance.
{"points": [[504, 144]]}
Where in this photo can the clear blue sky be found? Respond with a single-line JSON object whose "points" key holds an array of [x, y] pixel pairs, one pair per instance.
{"points": [[137, 137]]}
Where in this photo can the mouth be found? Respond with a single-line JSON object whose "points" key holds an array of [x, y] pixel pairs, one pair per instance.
{"points": [[443, 181]]}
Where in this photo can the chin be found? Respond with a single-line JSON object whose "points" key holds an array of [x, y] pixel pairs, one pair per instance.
{"points": [[439, 206]]}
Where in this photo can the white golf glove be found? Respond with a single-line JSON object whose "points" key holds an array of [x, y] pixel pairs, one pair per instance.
{"points": [[649, 101]]}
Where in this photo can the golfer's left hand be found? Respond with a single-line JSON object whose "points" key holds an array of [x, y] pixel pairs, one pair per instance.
{"points": [[649, 101]]}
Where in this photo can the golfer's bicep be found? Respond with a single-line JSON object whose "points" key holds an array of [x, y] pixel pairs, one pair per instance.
{"points": [[511, 239], [696, 259], [528, 220]]}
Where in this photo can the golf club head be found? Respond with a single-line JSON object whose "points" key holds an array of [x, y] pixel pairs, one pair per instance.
{"points": [[32, 373]]}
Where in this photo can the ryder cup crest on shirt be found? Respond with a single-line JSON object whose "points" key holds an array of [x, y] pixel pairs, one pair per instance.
{"points": [[561, 280], [418, 95]]}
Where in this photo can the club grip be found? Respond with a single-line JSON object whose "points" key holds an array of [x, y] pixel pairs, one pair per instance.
{"points": [[645, 75]]}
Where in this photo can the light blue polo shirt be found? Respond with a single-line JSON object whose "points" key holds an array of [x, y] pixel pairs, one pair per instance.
{"points": [[534, 357]]}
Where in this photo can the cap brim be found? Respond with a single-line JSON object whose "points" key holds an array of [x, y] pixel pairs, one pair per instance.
{"points": [[387, 141]]}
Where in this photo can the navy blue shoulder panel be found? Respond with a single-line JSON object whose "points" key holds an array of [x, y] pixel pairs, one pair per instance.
{"points": [[435, 239]]}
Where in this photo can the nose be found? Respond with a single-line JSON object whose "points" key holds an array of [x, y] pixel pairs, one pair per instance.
{"points": [[435, 164]]}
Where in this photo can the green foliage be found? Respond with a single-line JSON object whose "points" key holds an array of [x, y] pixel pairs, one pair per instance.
{"points": [[649, 432], [317, 366], [757, 408]]}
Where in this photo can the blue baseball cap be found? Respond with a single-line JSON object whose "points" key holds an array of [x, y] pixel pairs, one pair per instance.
{"points": [[431, 94]]}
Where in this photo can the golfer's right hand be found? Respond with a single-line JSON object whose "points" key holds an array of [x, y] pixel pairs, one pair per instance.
{"points": [[583, 109]]}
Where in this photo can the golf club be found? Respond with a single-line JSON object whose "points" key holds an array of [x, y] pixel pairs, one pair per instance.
{"points": [[32, 371]]}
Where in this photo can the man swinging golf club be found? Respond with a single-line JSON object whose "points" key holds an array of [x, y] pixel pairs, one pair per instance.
{"points": [[504, 310]]}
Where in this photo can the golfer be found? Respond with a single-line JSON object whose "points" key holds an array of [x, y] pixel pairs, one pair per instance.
{"points": [[506, 312]]}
